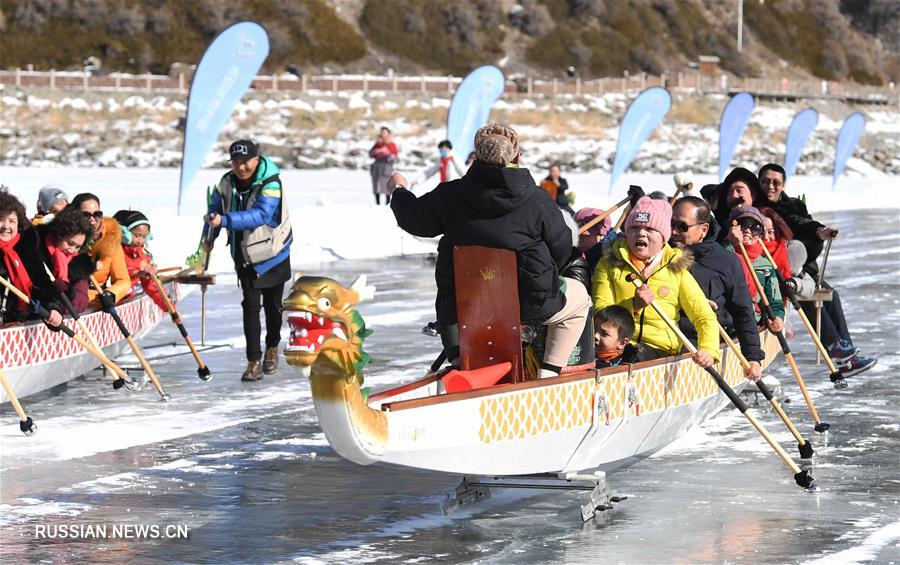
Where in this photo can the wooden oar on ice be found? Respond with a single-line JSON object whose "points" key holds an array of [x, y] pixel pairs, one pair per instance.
{"points": [[802, 477], [202, 369], [26, 424], [837, 379], [42, 312], [134, 346], [804, 447], [821, 426]]}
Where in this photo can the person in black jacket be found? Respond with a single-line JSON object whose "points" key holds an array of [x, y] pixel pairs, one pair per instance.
{"points": [[556, 187], [497, 204], [719, 274], [63, 247], [835, 334], [740, 188]]}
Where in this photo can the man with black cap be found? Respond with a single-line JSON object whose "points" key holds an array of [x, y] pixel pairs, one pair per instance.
{"points": [[740, 188], [249, 203]]}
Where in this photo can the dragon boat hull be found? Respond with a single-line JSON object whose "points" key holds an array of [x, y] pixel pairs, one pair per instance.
{"points": [[593, 420], [35, 358]]}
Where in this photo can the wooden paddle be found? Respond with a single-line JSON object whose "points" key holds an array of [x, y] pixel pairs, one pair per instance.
{"points": [[804, 447], [26, 424], [596, 220], [821, 426], [802, 477], [134, 346], [202, 369], [98, 353], [837, 379]]}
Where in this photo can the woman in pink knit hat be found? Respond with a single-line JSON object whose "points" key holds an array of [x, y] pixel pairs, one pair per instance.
{"points": [[645, 252]]}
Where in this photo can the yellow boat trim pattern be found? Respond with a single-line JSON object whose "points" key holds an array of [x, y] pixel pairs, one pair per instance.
{"points": [[536, 411]]}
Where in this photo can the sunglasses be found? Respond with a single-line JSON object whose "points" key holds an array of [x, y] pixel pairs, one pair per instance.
{"points": [[752, 226], [683, 227], [98, 215]]}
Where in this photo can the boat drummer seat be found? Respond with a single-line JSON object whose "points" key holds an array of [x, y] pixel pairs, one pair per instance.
{"points": [[487, 309]]}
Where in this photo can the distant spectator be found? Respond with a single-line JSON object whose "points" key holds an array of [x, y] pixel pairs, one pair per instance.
{"points": [[556, 187], [384, 153], [447, 165]]}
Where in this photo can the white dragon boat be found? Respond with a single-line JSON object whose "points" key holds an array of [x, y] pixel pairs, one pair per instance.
{"points": [[35, 358], [577, 425]]}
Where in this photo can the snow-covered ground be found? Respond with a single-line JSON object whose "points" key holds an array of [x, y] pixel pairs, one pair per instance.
{"points": [[333, 212], [318, 130]]}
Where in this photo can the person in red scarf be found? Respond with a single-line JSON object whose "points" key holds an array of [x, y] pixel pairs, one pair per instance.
{"points": [[21, 265], [746, 225], [777, 237], [384, 153], [64, 250], [447, 166]]}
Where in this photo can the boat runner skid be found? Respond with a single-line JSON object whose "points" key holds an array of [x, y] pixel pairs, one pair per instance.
{"points": [[36, 358]]}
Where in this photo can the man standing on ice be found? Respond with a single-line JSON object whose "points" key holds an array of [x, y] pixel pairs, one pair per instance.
{"points": [[249, 203]]}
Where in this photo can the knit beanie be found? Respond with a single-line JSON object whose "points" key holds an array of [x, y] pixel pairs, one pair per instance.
{"points": [[49, 195], [651, 214], [585, 215], [130, 219]]}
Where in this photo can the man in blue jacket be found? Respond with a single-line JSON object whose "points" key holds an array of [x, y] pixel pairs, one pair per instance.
{"points": [[718, 272], [249, 203]]}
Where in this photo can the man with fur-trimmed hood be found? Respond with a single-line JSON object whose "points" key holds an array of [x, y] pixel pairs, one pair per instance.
{"points": [[666, 277], [106, 249]]}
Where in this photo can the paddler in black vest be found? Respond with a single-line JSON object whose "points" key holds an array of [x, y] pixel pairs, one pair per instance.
{"points": [[249, 203]]}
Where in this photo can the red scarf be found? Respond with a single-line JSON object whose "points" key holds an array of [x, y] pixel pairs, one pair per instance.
{"points": [[778, 251], [59, 259], [754, 250], [16, 269], [445, 167]]}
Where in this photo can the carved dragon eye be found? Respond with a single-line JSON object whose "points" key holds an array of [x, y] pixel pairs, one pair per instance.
{"points": [[323, 304]]}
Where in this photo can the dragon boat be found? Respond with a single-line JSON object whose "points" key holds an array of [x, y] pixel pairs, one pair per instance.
{"points": [[581, 424], [35, 358]]}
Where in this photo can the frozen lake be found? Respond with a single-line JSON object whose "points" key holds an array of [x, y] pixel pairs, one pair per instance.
{"points": [[247, 470]]}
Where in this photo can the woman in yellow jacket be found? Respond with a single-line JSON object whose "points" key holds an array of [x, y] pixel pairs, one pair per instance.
{"points": [[645, 253], [106, 249]]}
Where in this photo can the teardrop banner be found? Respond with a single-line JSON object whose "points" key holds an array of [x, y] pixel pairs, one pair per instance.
{"points": [[223, 75], [801, 128], [847, 141], [641, 118], [734, 121], [471, 106]]}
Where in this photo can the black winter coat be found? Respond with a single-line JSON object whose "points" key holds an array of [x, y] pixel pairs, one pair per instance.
{"points": [[499, 207], [720, 276], [793, 212], [42, 289], [81, 267]]}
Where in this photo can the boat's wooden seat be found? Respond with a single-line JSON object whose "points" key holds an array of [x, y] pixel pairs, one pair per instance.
{"points": [[487, 308]]}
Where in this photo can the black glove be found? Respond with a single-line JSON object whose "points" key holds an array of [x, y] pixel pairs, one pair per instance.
{"points": [[108, 300], [791, 287], [634, 194]]}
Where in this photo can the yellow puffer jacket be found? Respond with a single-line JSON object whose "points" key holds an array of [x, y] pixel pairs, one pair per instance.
{"points": [[674, 289]]}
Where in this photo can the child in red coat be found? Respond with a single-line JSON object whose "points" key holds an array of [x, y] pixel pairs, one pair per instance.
{"points": [[135, 232]]}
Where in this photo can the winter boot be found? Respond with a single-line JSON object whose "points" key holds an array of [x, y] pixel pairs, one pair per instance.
{"points": [[253, 372], [270, 360]]}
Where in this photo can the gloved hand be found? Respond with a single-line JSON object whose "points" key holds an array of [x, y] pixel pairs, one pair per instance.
{"points": [[791, 286], [108, 300], [634, 194]]}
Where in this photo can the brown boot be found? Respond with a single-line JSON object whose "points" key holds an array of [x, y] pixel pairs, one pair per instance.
{"points": [[253, 372], [270, 360]]}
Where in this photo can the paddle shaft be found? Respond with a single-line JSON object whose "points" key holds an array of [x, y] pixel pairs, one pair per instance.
{"points": [[804, 319], [762, 386], [173, 313], [44, 314], [723, 386], [824, 264], [12, 396], [785, 348], [623, 217], [601, 217], [134, 346]]}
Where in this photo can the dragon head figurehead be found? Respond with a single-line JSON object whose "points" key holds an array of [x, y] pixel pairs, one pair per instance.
{"points": [[324, 325]]}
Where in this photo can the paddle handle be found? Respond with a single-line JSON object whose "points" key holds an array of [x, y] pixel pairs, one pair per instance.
{"points": [[603, 216]]}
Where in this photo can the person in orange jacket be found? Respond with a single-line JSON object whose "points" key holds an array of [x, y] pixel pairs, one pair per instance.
{"points": [[106, 249]]}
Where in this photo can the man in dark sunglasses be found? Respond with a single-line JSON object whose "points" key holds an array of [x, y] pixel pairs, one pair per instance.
{"points": [[719, 274]]}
